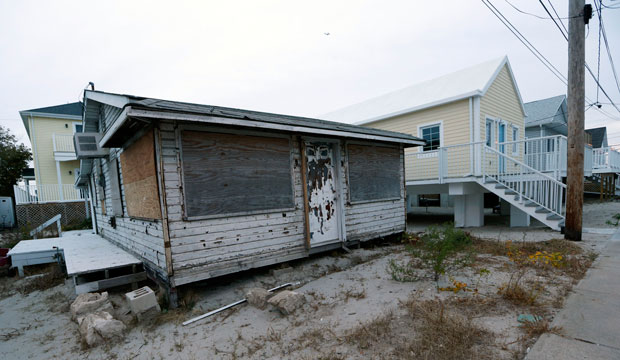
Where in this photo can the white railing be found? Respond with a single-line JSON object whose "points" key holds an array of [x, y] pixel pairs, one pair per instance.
{"points": [[529, 183], [33, 194], [63, 143], [548, 154], [607, 159], [454, 161]]}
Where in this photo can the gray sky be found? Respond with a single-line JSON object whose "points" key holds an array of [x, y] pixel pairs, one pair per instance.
{"points": [[273, 55]]}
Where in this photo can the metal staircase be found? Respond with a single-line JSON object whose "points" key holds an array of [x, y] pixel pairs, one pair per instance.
{"points": [[533, 192]]}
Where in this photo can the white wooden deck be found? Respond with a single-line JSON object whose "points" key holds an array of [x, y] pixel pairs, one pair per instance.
{"points": [[83, 252]]}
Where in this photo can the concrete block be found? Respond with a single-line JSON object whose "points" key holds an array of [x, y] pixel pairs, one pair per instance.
{"points": [[142, 301]]}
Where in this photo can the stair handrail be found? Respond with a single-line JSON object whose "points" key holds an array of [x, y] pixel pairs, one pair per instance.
{"points": [[520, 190], [38, 229]]}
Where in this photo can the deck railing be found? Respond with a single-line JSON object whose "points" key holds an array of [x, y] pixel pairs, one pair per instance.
{"points": [[448, 162], [33, 194], [606, 159], [63, 143]]}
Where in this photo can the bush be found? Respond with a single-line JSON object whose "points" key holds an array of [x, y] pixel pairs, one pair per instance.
{"points": [[439, 250]]}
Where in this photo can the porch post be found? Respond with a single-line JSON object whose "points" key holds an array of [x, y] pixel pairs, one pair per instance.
{"points": [[62, 197]]}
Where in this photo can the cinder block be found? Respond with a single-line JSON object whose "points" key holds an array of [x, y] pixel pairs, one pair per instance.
{"points": [[142, 300]]}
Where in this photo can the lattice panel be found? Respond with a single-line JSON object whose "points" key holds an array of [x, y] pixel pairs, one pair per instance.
{"points": [[33, 215]]}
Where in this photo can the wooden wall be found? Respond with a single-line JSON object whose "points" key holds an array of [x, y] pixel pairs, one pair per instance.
{"points": [[207, 248], [143, 238], [374, 219]]}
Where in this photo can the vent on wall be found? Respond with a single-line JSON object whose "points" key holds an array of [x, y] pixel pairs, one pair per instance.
{"points": [[87, 146]]}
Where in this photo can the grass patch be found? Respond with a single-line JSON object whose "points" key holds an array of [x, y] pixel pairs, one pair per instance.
{"points": [[537, 328], [517, 292]]}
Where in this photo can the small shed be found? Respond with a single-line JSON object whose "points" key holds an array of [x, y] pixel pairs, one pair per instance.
{"points": [[199, 191]]}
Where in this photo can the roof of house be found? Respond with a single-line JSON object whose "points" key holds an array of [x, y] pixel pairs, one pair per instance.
{"points": [[71, 111], [462, 84], [65, 109], [598, 135], [149, 108], [541, 112]]}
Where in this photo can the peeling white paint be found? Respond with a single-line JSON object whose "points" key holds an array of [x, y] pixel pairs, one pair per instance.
{"points": [[321, 179]]}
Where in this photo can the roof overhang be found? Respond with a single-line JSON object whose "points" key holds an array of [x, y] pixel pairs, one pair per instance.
{"points": [[132, 120], [26, 115]]}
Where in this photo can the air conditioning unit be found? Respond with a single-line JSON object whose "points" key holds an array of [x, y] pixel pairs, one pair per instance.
{"points": [[87, 146]]}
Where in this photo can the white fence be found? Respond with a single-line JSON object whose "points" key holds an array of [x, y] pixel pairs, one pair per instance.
{"points": [[32, 194], [455, 161], [63, 143]]}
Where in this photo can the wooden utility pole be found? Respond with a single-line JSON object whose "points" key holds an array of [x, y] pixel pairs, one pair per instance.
{"points": [[576, 114]]}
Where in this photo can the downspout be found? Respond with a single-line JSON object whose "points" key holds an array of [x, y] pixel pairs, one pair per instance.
{"points": [[93, 216], [35, 153], [471, 136]]}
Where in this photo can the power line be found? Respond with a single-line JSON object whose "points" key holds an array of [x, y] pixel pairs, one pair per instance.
{"points": [[525, 42], [534, 15], [535, 51], [587, 66], [611, 60]]}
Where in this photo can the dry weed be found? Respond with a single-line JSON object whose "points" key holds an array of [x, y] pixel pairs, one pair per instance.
{"points": [[53, 277], [518, 293], [537, 328]]}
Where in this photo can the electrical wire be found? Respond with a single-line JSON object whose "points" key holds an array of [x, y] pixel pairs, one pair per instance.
{"points": [[586, 64], [611, 60], [534, 15]]}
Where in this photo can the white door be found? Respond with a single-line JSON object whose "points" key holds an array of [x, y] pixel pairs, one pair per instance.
{"points": [[323, 214]]}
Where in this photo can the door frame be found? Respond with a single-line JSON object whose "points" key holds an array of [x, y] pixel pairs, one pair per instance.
{"points": [[338, 177]]}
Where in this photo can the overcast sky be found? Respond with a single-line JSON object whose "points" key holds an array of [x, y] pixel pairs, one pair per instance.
{"points": [[274, 55]]}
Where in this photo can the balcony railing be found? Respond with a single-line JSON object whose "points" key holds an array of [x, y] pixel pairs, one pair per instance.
{"points": [[33, 194], [63, 143], [606, 159]]}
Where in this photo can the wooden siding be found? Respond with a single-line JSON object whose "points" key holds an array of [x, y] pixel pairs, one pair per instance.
{"points": [[370, 220], [142, 238], [45, 164], [206, 248], [501, 101], [454, 118]]}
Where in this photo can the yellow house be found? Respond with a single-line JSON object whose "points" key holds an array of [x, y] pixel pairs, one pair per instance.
{"points": [[473, 124], [56, 167]]}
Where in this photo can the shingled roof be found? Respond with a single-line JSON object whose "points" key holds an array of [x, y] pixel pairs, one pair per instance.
{"points": [[65, 109], [598, 135], [541, 112]]}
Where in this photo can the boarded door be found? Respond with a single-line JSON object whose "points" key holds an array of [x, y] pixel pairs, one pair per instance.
{"points": [[323, 214]]}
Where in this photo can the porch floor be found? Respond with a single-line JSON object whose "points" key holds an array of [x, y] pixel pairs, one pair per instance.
{"points": [[85, 254]]}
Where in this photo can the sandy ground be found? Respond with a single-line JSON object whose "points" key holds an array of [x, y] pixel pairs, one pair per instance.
{"points": [[343, 292]]}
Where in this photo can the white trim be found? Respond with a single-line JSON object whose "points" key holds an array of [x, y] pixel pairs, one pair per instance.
{"points": [[60, 189], [429, 124], [50, 115], [497, 71], [75, 124], [420, 107], [515, 146]]}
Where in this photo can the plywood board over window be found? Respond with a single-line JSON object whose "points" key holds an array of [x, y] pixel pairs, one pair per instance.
{"points": [[374, 172], [140, 178], [228, 174]]}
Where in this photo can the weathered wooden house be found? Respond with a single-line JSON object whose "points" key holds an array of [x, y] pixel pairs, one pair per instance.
{"points": [[199, 191]]}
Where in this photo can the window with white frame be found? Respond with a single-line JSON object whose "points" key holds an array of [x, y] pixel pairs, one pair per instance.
{"points": [[489, 133], [77, 127], [432, 135], [515, 137]]}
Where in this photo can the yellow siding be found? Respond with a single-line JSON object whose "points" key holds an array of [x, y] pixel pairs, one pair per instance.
{"points": [[45, 164], [501, 101], [456, 130]]}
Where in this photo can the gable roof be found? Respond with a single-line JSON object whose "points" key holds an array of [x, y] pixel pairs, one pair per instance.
{"points": [[71, 111], [462, 84], [598, 135], [541, 112], [138, 109]]}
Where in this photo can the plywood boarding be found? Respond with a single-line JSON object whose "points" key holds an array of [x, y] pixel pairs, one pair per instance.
{"points": [[374, 172], [140, 178], [142, 238], [231, 173]]}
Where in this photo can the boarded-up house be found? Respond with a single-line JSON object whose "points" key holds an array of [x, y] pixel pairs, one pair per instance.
{"points": [[199, 191]]}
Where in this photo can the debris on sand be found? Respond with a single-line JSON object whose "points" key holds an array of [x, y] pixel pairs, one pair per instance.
{"points": [[258, 297], [287, 301]]}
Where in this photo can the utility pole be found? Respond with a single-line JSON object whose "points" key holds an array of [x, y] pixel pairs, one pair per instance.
{"points": [[578, 17]]}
